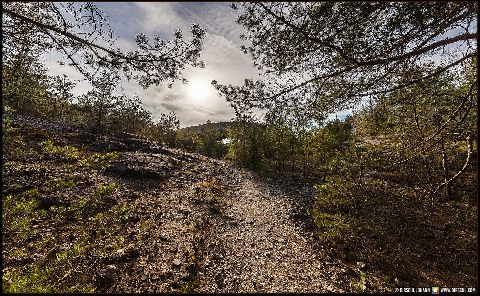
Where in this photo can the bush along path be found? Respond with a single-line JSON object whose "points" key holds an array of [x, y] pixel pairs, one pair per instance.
{"points": [[101, 213]]}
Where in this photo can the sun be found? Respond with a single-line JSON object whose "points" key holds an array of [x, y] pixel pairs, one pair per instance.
{"points": [[198, 90]]}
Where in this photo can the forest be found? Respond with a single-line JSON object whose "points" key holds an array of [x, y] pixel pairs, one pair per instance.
{"points": [[100, 194]]}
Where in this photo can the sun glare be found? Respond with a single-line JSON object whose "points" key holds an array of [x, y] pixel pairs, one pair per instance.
{"points": [[199, 90]]}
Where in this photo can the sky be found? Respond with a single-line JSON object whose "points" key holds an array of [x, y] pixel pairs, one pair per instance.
{"points": [[195, 102]]}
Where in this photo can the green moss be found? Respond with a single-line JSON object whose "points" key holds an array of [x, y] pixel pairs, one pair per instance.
{"points": [[34, 280], [12, 143], [330, 225], [106, 189], [122, 211], [18, 253], [67, 255], [18, 214], [66, 152], [98, 161], [31, 193], [187, 288], [59, 183]]}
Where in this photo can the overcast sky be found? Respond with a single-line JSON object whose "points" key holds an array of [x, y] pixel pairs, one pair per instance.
{"points": [[196, 102]]}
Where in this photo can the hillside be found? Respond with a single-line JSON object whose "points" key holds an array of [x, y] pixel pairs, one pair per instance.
{"points": [[107, 213], [118, 213]]}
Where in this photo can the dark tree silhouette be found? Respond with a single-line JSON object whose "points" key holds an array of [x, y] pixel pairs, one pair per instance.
{"points": [[327, 56], [80, 32]]}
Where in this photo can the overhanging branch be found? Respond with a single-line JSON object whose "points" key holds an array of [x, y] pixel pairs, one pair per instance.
{"points": [[78, 39]]}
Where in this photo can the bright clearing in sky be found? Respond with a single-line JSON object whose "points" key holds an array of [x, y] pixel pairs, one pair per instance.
{"points": [[198, 90]]}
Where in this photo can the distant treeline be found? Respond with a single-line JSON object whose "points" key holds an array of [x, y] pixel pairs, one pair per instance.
{"points": [[28, 90], [395, 126]]}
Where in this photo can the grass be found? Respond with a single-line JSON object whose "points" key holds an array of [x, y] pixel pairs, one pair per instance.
{"points": [[59, 183], [34, 280], [330, 225], [66, 152], [80, 227], [19, 213], [98, 161], [105, 189]]}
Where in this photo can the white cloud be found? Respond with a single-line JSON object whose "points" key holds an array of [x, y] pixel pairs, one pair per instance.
{"points": [[126, 44], [50, 60], [159, 17], [224, 60]]}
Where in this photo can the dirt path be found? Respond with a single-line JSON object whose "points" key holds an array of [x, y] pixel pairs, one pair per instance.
{"points": [[259, 248], [161, 220], [215, 228]]}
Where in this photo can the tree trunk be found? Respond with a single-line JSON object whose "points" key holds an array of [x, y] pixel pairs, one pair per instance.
{"points": [[445, 172], [444, 155], [304, 163], [424, 160]]}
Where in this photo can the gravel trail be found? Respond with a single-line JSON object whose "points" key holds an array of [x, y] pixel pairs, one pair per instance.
{"points": [[259, 248]]}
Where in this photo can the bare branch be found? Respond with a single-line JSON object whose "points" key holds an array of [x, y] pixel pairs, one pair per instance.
{"points": [[415, 52], [306, 35], [76, 38], [424, 149], [420, 51], [467, 162]]}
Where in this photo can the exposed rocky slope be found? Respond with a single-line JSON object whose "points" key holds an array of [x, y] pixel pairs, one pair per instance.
{"points": [[195, 224]]}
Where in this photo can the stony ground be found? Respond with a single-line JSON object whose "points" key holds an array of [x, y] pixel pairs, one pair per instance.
{"points": [[228, 233], [198, 225], [263, 248]]}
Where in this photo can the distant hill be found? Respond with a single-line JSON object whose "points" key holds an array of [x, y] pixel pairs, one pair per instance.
{"points": [[208, 126]]}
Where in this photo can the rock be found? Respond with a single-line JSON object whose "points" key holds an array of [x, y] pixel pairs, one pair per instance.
{"points": [[110, 269], [177, 262], [133, 234], [360, 264], [107, 276], [352, 273], [129, 168], [265, 248], [123, 255]]}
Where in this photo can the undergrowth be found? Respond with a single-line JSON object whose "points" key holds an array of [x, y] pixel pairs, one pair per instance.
{"points": [[399, 237], [59, 225]]}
